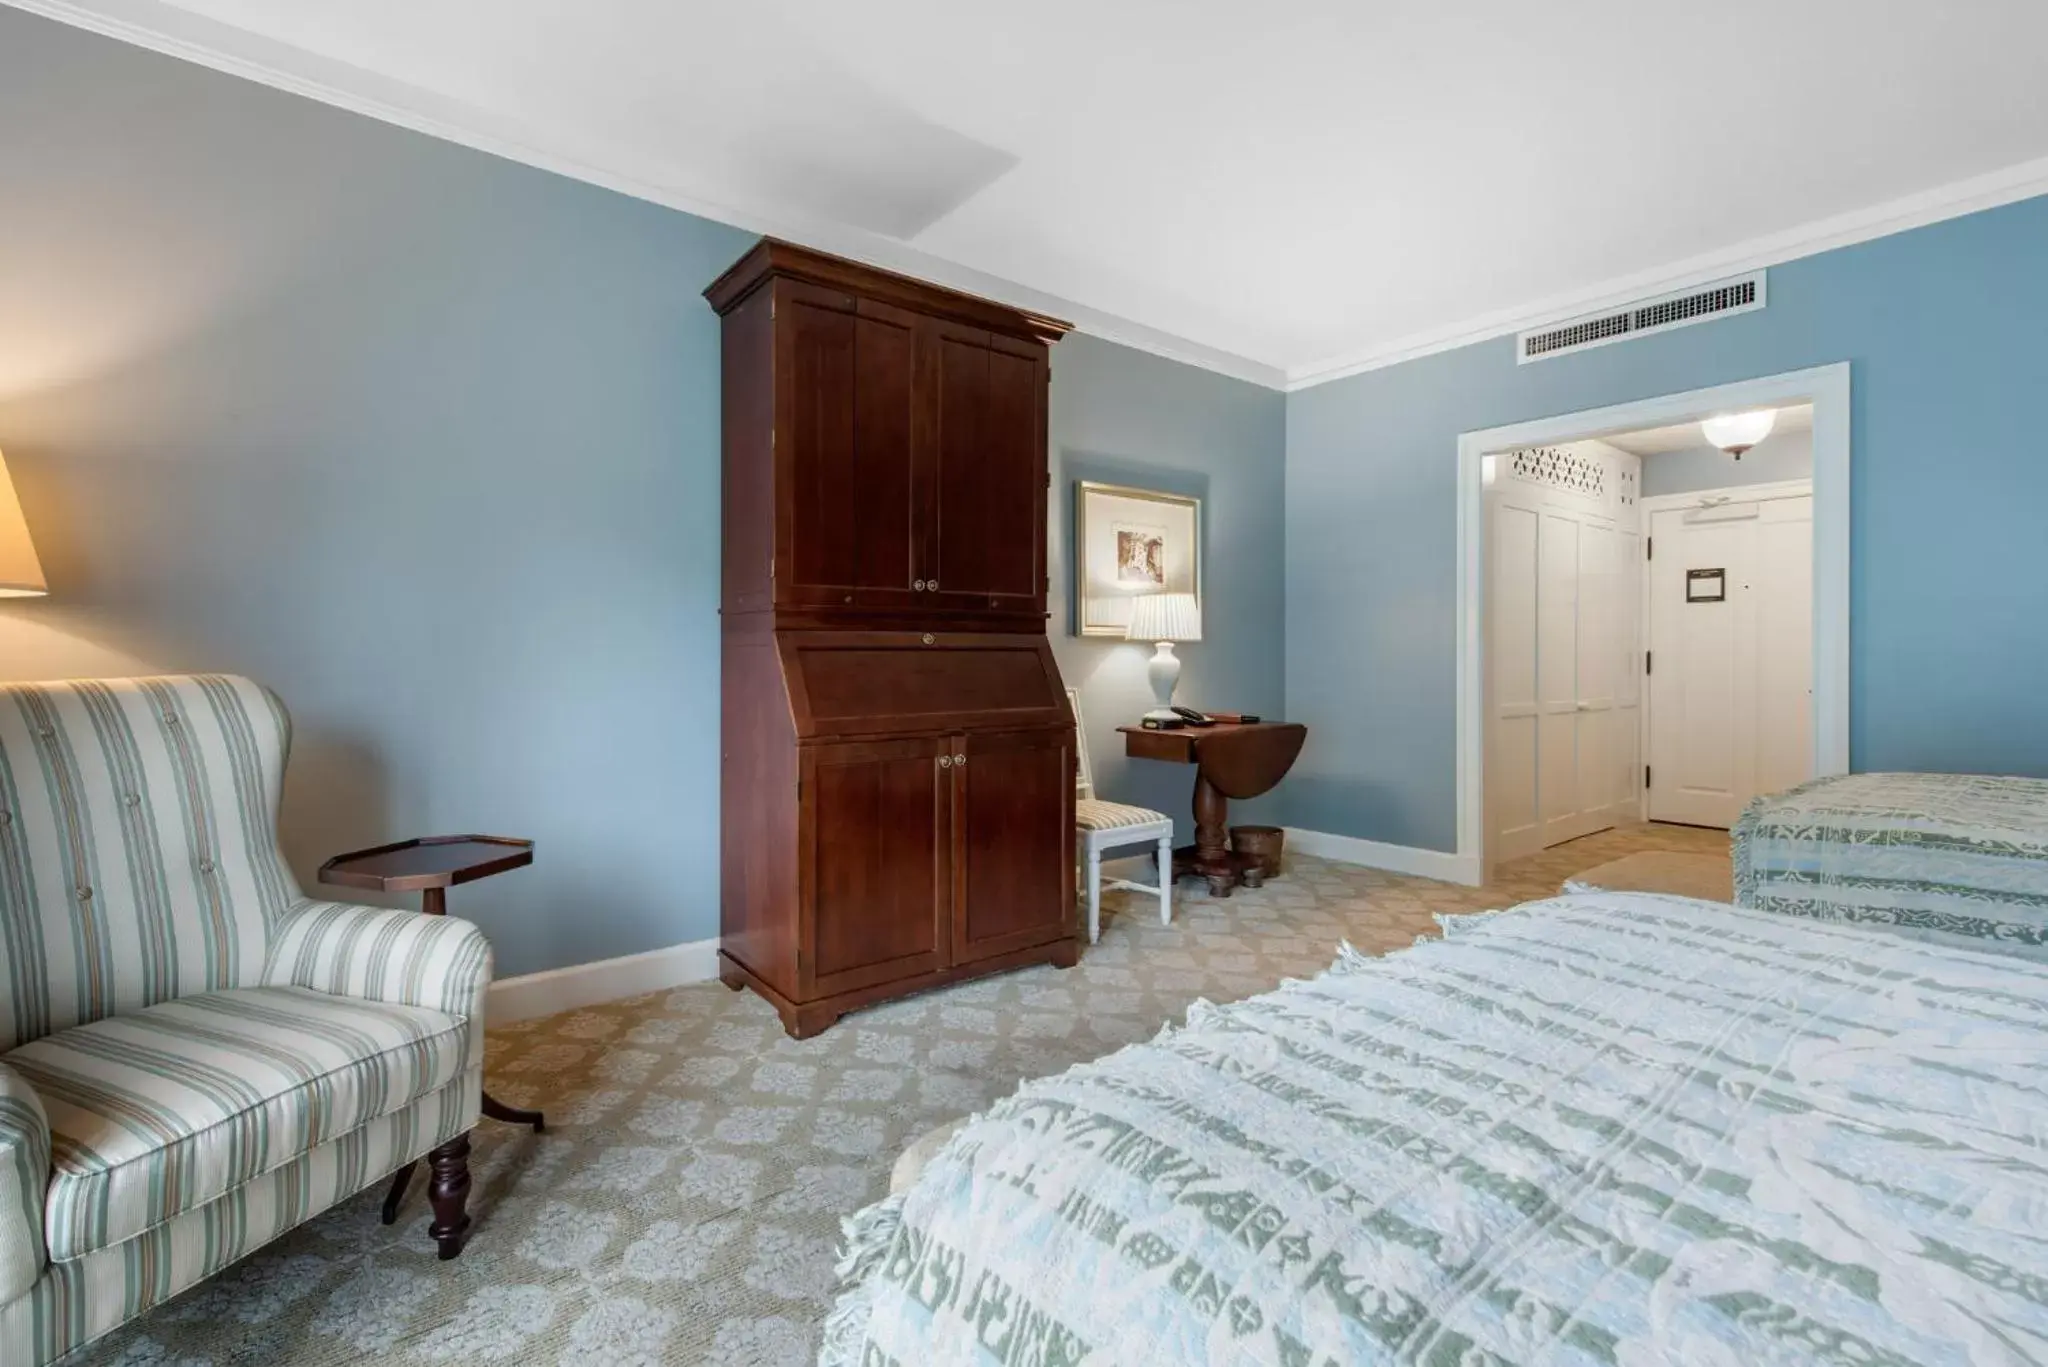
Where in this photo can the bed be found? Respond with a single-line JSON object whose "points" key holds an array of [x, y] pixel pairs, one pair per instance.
{"points": [[1956, 858], [1614, 1128]]}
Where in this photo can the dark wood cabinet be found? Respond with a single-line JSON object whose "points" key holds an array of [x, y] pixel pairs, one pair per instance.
{"points": [[876, 869], [1013, 841], [898, 754]]}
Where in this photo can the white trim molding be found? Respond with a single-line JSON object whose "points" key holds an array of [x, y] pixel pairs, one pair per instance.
{"points": [[1347, 849], [1827, 389], [1727, 493], [179, 32], [1954, 200], [532, 995]]}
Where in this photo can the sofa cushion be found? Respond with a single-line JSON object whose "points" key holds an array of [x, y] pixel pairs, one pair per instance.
{"points": [[162, 1110]]}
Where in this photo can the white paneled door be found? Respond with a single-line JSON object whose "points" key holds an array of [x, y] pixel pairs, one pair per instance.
{"points": [[1731, 653], [1562, 756]]}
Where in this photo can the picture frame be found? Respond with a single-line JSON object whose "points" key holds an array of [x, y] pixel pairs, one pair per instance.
{"points": [[1129, 542]]}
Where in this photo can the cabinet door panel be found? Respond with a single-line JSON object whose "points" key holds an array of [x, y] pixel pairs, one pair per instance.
{"points": [[1013, 883], [876, 866], [846, 539], [987, 536]]}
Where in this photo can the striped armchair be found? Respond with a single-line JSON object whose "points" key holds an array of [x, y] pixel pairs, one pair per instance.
{"points": [[195, 1057]]}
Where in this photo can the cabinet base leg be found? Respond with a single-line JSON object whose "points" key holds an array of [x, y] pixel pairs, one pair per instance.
{"points": [[803, 1019]]}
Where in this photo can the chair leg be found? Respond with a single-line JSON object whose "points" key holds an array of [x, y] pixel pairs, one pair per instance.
{"points": [[1094, 894], [449, 1193], [1166, 880]]}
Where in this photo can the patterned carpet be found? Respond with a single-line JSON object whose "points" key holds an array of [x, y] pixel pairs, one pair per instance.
{"points": [[684, 1206]]}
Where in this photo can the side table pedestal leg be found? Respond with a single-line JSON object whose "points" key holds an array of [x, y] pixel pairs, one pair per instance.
{"points": [[512, 1115], [400, 1180], [434, 902]]}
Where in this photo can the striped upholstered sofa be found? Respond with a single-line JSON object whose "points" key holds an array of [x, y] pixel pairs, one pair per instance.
{"points": [[194, 1056]]}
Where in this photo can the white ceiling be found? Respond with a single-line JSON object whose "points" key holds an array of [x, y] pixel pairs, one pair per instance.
{"points": [[1686, 436], [1280, 191]]}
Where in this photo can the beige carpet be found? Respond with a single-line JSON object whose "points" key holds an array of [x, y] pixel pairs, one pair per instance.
{"points": [[1686, 875], [684, 1206]]}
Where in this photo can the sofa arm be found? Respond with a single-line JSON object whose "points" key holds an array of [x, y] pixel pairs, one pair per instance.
{"points": [[24, 1179], [402, 957]]}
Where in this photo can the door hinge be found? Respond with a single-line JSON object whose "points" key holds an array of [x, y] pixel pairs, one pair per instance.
{"points": [[1646, 776], [1647, 657], [1649, 548]]}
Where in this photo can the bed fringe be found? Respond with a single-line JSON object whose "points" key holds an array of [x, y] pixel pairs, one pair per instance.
{"points": [[1349, 959], [869, 1233], [1456, 923]]}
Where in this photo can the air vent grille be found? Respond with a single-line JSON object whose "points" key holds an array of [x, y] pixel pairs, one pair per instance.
{"points": [[1651, 315]]}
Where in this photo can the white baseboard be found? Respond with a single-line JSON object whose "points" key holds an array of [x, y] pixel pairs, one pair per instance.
{"points": [[1346, 849], [607, 980]]}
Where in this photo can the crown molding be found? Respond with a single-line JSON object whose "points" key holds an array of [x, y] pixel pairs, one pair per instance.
{"points": [[1988, 191], [179, 33], [190, 37]]}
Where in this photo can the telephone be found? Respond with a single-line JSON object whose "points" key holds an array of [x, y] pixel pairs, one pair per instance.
{"points": [[1187, 716]]}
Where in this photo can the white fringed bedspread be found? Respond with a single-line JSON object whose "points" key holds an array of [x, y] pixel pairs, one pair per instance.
{"points": [[1612, 1128]]}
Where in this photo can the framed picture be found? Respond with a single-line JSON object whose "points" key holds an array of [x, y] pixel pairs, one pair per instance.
{"points": [[1129, 542]]}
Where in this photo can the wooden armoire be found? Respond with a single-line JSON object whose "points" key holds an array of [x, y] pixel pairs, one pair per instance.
{"points": [[897, 790]]}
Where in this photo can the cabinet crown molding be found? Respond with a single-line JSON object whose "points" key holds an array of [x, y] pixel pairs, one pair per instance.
{"points": [[771, 258]]}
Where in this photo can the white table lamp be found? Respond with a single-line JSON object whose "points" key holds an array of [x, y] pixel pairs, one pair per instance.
{"points": [[1164, 618], [21, 574]]}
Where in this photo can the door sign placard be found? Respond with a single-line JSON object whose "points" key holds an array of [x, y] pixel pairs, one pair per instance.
{"points": [[1706, 586]]}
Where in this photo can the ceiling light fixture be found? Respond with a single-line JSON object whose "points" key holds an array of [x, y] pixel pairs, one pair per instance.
{"points": [[1737, 432]]}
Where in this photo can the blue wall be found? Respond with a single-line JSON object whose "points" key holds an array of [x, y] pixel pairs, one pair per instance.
{"points": [[1124, 417], [1780, 456], [428, 441], [1944, 328]]}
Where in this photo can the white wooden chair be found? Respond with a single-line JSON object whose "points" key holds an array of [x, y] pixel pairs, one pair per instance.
{"points": [[1111, 826]]}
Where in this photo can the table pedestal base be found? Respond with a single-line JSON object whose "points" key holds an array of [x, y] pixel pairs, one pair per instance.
{"points": [[1211, 857], [1223, 877]]}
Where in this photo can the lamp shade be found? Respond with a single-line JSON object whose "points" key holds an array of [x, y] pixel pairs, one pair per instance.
{"points": [[21, 574], [1737, 432], [1165, 617]]}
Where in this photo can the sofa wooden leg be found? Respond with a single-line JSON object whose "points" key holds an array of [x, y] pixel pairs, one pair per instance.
{"points": [[449, 1193]]}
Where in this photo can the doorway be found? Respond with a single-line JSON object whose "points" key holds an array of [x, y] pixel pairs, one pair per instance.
{"points": [[1729, 649], [1558, 730]]}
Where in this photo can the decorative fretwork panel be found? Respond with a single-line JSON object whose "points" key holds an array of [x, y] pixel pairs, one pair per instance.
{"points": [[1561, 469]]}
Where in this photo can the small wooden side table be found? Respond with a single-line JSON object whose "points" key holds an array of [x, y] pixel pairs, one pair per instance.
{"points": [[1232, 760], [430, 866]]}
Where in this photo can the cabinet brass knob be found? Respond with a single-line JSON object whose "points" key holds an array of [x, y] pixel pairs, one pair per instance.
{"points": [[919, 586], [959, 761], [932, 585], [945, 761], [929, 638]]}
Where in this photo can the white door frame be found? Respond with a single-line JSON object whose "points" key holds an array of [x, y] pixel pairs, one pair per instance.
{"points": [[1827, 389], [1699, 498]]}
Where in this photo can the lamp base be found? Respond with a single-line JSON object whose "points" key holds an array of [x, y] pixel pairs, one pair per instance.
{"points": [[1163, 718], [1162, 671]]}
